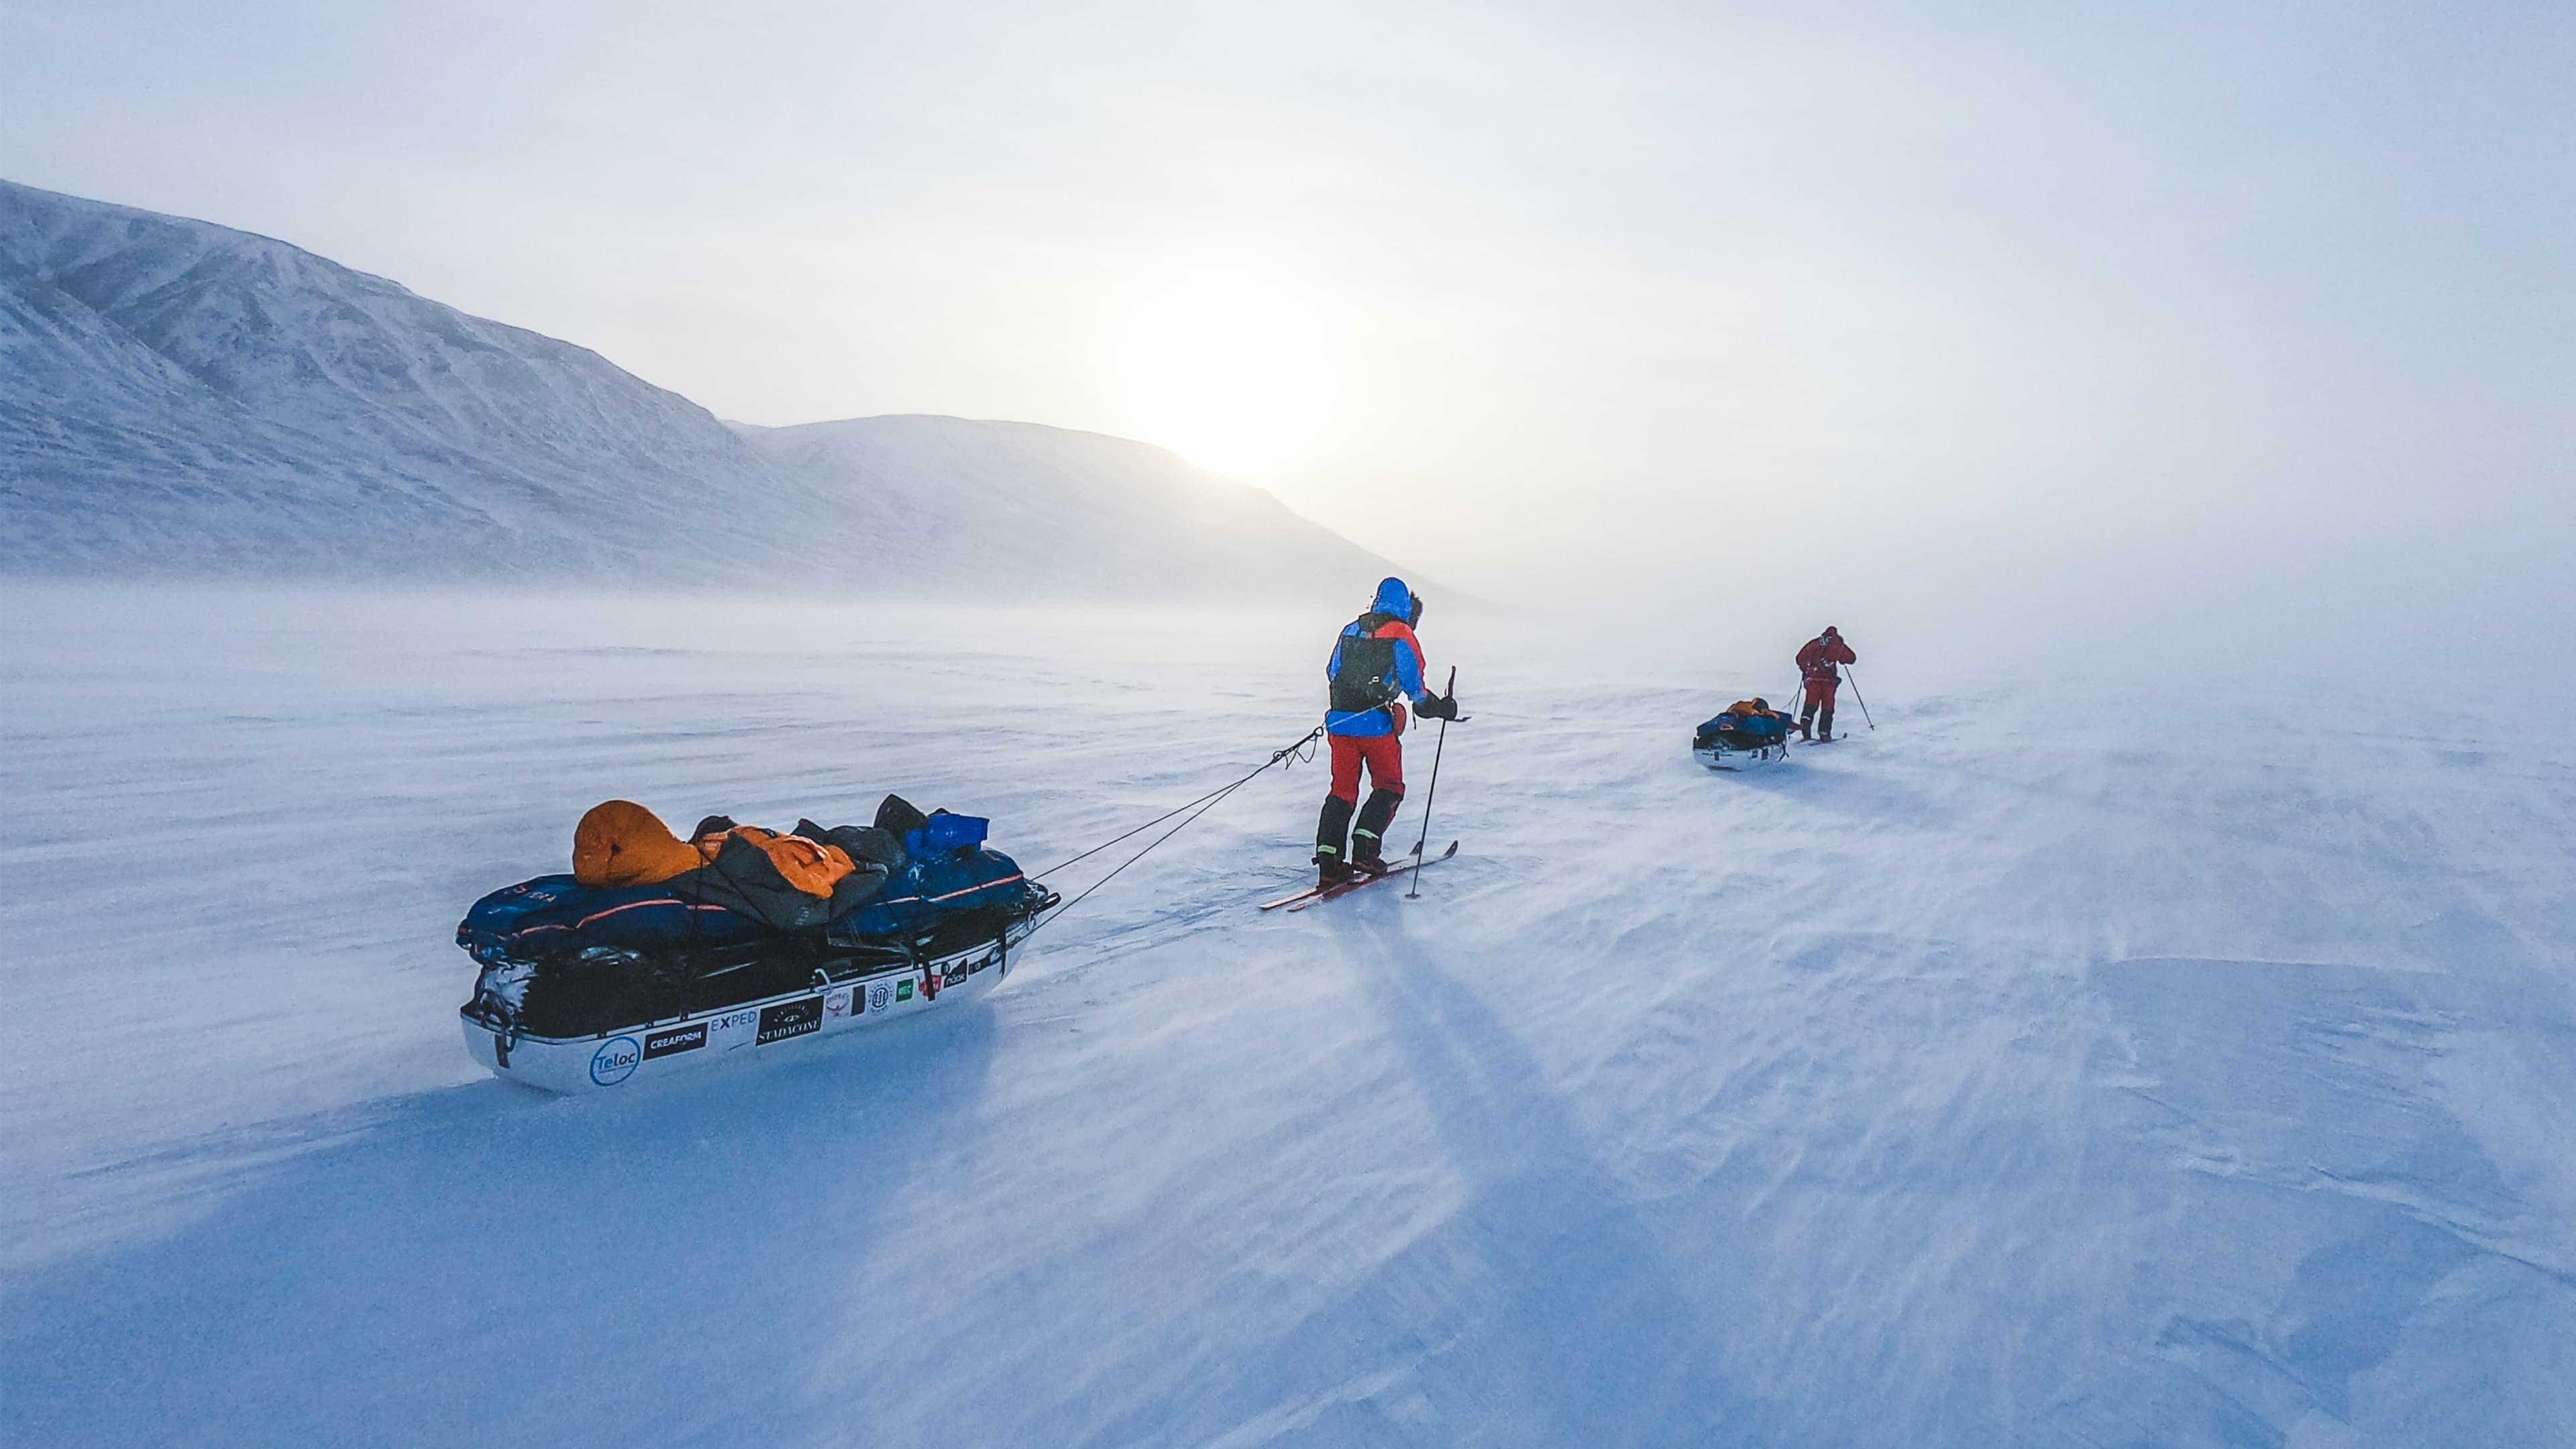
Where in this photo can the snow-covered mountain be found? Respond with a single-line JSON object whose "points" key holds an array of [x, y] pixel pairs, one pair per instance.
{"points": [[179, 397], [1085, 512]]}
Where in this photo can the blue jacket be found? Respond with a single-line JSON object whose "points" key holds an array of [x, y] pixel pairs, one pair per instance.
{"points": [[1394, 599]]}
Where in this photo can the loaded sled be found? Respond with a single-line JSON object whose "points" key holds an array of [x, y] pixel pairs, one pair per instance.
{"points": [[1748, 735], [591, 980]]}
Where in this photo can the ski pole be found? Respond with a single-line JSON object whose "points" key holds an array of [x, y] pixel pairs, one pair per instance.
{"points": [[1432, 795], [1856, 699]]}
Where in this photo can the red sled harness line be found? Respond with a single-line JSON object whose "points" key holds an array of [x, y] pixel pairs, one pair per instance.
{"points": [[613, 910], [952, 895], [703, 906]]}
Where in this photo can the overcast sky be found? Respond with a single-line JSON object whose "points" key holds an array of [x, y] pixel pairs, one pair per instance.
{"points": [[2044, 302]]}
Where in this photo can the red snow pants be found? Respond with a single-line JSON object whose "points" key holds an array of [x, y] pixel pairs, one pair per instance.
{"points": [[1384, 755], [1820, 694]]}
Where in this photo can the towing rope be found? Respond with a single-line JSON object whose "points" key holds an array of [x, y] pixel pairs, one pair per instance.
{"points": [[1302, 750]]}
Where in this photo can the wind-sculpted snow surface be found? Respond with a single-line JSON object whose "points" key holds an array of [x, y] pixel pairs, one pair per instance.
{"points": [[181, 398], [2001, 1076]]}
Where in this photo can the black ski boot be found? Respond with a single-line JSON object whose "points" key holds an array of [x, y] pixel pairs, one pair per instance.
{"points": [[1371, 827], [1365, 859], [1332, 838]]}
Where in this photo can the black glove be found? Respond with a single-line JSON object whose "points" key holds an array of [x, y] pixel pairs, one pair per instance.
{"points": [[1438, 707]]}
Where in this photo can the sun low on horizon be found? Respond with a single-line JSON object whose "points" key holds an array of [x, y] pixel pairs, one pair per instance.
{"points": [[1230, 374]]}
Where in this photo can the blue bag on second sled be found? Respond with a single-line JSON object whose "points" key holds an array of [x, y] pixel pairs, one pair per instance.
{"points": [[1743, 731]]}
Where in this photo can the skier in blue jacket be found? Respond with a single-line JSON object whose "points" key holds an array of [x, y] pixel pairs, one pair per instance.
{"points": [[1377, 664]]}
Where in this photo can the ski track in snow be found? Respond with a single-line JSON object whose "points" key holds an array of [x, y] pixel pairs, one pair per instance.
{"points": [[2016, 1073]]}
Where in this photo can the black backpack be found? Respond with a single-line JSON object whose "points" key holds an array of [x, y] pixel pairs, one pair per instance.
{"points": [[1366, 678]]}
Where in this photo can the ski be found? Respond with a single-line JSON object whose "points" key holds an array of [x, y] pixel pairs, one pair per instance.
{"points": [[1310, 892], [1292, 900], [1318, 897]]}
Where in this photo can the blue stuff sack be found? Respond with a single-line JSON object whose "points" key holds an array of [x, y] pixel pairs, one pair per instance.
{"points": [[1741, 731], [932, 888], [946, 834]]}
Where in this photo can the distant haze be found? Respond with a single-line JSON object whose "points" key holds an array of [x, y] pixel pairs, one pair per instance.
{"points": [[182, 400], [2246, 325]]}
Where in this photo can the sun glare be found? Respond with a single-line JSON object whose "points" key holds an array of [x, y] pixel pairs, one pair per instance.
{"points": [[1226, 377]]}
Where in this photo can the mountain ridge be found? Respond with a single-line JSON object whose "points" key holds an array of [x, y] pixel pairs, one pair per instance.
{"points": [[183, 398]]}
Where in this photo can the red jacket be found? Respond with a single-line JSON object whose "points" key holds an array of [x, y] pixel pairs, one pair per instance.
{"points": [[1816, 662]]}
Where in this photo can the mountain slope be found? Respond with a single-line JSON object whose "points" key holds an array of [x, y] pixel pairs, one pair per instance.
{"points": [[184, 396], [1014, 500], [179, 397]]}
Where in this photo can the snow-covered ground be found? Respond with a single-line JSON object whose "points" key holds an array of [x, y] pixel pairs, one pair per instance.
{"points": [[2045, 1066]]}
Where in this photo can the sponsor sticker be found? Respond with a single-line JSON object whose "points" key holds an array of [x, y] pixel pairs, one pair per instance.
{"points": [[879, 995], [677, 1039], [903, 989], [732, 1028], [615, 1061], [837, 1003], [790, 1018]]}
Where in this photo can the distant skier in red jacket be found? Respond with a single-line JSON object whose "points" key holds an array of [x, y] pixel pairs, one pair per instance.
{"points": [[1817, 672]]}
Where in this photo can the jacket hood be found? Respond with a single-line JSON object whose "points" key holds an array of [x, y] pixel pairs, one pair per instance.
{"points": [[1393, 598]]}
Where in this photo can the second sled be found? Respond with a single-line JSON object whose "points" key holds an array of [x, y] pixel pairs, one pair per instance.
{"points": [[1718, 756]]}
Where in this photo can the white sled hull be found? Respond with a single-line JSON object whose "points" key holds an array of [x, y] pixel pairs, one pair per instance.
{"points": [[1719, 757], [655, 1050]]}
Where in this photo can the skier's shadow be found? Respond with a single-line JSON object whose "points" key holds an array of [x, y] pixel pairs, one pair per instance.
{"points": [[1562, 1316], [483, 1262]]}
